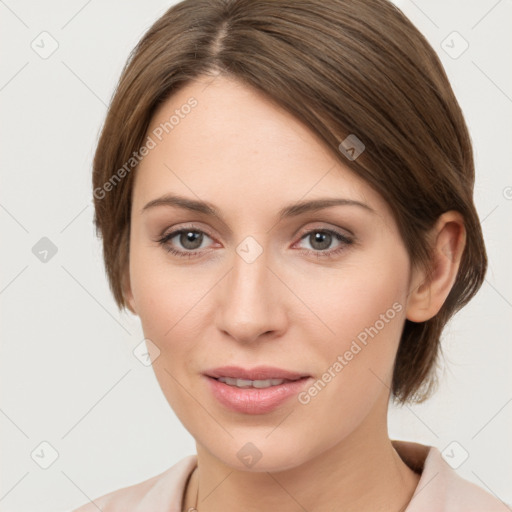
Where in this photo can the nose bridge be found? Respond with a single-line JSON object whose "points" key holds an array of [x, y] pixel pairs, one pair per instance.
{"points": [[249, 303]]}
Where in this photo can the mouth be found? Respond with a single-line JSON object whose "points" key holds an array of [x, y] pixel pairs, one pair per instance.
{"points": [[258, 377], [258, 384], [260, 394]]}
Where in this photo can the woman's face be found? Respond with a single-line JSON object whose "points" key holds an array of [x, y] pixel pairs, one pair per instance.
{"points": [[321, 292]]}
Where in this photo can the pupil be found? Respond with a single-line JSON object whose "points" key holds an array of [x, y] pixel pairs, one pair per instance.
{"points": [[324, 239], [189, 240]]}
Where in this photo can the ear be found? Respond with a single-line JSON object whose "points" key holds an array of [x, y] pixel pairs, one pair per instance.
{"points": [[127, 291], [426, 296]]}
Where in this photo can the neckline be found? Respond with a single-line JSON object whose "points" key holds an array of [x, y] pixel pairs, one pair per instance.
{"points": [[414, 455]]}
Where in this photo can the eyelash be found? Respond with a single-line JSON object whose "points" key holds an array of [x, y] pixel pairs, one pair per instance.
{"points": [[346, 241]]}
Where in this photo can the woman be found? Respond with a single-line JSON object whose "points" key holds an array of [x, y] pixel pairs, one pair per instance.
{"points": [[284, 193]]}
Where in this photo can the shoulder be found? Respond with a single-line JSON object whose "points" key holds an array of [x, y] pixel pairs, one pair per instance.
{"points": [[160, 491], [458, 494], [440, 487]]}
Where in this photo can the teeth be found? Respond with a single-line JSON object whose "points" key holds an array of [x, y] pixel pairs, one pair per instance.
{"points": [[243, 383]]}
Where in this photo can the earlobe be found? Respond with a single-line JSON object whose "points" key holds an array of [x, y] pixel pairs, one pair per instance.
{"points": [[428, 293]]}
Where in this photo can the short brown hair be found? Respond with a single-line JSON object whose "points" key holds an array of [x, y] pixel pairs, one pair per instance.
{"points": [[341, 67]]}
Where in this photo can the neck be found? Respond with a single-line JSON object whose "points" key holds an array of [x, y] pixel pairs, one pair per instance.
{"points": [[362, 473]]}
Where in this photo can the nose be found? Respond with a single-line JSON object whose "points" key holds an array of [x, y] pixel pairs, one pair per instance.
{"points": [[250, 301]]}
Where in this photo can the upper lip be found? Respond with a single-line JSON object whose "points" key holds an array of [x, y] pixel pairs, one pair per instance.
{"points": [[256, 373]]}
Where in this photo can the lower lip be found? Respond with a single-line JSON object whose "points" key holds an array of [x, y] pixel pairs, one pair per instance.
{"points": [[254, 400]]}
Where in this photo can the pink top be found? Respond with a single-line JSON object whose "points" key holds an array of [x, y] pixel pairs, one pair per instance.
{"points": [[440, 488]]}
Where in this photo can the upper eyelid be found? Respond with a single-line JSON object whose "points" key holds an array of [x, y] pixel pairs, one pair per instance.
{"points": [[194, 227], [177, 231], [336, 229]]}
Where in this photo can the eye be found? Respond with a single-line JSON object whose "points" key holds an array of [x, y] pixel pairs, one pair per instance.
{"points": [[190, 239], [190, 242], [321, 239]]}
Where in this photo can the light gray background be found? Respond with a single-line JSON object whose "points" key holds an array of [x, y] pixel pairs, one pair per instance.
{"points": [[68, 373]]}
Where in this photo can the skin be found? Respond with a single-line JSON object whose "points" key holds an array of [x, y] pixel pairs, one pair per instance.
{"points": [[289, 308]]}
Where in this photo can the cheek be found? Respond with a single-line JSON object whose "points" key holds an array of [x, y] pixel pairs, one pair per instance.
{"points": [[170, 309], [356, 300], [161, 293], [173, 308], [355, 363], [362, 312]]}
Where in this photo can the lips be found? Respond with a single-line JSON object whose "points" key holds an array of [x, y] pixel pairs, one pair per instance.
{"points": [[256, 373], [251, 400]]}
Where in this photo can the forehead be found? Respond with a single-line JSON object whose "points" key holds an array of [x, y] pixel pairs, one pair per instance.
{"points": [[218, 138]]}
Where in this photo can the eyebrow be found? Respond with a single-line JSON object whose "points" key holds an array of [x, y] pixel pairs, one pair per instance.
{"points": [[292, 210]]}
